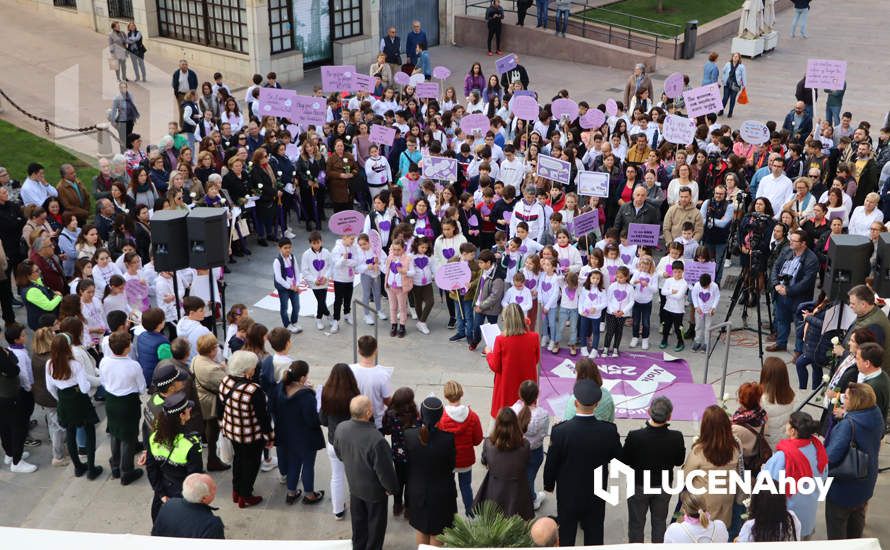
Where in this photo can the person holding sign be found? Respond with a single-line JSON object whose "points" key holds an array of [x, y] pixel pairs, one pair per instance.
{"points": [[513, 358]]}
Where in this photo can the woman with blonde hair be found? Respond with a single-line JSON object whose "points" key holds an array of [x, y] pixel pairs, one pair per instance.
{"points": [[208, 375], [513, 359], [697, 524]]}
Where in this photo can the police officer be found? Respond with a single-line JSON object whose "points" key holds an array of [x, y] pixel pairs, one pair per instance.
{"points": [[173, 453], [166, 380]]}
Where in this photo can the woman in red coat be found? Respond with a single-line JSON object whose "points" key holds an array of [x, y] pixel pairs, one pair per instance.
{"points": [[513, 360]]}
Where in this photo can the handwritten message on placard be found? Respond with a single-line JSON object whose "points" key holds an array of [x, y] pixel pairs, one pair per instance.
{"points": [[754, 132], [679, 129], [593, 184], [703, 100], [826, 73], [362, 83], [645, 234], [337, 78], [347, 222], [564, 107], [692, 271], [584, 223], [506, 63], [440, 168], [554, 169], [382, 135], [427, 90], [276, 102], [673, 85], [308, 110], [453, 275]]}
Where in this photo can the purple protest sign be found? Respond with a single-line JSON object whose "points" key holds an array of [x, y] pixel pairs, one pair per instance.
{"points": [[506, 63], [362, 83], [375, 241], [645, 234], [337, 78], [611, 107], [416, 78], [308, 110], [583, 224], [293, 129], [477, 122], [703, 100], [427, 90], [678, 129], [593, 118], [754, 132], [554, 169], [453, 275], [693, 270], [440, 168], [634, 380], [593, 184], [382, 135], [441, 72], [347, 222], [292, 151], [564, 107], [402, 79], [276, 101], [830, 74], [673, 85], [524, 107], [528, 93]]}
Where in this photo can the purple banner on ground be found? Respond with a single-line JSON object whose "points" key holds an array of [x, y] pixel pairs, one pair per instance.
{"points": [[506, 63], [645, 234], [633, 379], [584, 223]]}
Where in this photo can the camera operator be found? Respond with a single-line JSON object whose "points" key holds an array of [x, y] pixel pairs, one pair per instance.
{"points": [[793, 280], [753, 244], [717, 213]]}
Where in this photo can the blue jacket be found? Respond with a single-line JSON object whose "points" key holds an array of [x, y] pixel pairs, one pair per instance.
{"points": [[804, 281], [411, 42], [740, 75], [147, 345], [711, 73], [423, 61], [869, 430], [297, 427]]}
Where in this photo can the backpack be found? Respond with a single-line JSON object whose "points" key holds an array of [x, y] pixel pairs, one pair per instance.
{"points": [[762, 450]]}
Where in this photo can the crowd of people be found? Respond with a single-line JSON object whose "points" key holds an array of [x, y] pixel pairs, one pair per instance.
{"points": [[103, 326]]}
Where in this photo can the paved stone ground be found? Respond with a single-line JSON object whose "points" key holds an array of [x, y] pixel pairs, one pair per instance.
{"points": [[52, 498]]}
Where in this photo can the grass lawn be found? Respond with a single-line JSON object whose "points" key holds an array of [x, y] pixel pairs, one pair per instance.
{"points": [[677, 12], [19, 148]]}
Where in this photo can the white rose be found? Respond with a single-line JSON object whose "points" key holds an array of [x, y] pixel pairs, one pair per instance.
{"points": [[836, 341], [727, 396], [747, 502], [825, 378], [835, 401], [193, 195], [279, 173], [222, 201], [260, 186]]}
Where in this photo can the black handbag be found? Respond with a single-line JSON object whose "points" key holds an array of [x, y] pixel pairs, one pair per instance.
{"points": [[854, 466]]}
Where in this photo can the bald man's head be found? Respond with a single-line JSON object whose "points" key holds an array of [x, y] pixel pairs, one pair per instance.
{"points": [[545, 532], [360, 408], [199, 488]]}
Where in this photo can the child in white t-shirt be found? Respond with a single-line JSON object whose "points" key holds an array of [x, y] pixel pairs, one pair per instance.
{"points": [[645, 283], [674, 292], [705, 297]]}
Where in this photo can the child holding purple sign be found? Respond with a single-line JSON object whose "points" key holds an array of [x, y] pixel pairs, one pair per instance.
{"points": [[620, 303]]}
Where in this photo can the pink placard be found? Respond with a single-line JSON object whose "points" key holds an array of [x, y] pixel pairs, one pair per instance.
{"points": [[703, 100], [347, 222], [337, 78], [362, 83], [427, 90], [593, 118], [401, 78], [382, 135], [673, 85], [826, 73], [276, 101], [611, 107], [308, 110], [441, 72], [524, 107], [754, 132], [564, 107], [475, 122], [375, 241], [679, 129], [453, 275]]}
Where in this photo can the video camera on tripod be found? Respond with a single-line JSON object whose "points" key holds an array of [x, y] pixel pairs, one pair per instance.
{"points": [[758, 224]]}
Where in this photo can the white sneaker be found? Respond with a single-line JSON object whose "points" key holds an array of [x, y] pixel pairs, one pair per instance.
{"points": [[540, 496], [369, 319], [381, 315], [645, 343], [348, 318], [593, 354], [295, 328], [423, 328], [22, 467], [335, 327], [319, 324], [8, 459], [614, 353], [413, 313], [634, 342], [269, 465], [544, 341], [289, 234]]}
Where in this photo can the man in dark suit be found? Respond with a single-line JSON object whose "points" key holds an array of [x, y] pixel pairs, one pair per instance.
{"points": [[191, 516], [184, 81], [577, 448]]}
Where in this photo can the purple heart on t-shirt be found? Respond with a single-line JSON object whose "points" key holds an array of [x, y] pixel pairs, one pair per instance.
{"points": [[519, 299], [349, 256], [564, 262], [591, 296], [530, 283], [394, 267], [625, 258], [704, 296], [384, 225], [511, 262], [318, 264], [545, 286], [612, 269], [369, 261], [523, 249], [448, 253], [485, 210], [620, 295], [644, 281], [570, 292], [421, 261], [473, 220]]}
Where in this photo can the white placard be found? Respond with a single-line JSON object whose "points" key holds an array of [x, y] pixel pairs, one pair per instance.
{"points": [[593, 184], [489, 333]]}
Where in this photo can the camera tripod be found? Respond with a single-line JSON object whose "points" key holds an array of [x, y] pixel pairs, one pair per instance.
{"points": [[747, 286]]}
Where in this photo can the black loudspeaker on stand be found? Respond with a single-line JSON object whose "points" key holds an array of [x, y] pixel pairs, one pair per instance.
{"points": [[849, 258]]}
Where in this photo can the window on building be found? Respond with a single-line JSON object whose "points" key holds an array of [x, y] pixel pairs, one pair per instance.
{"points": [[65, 3], [120, 9], [347, 18], [215, 23], [281, 27]]}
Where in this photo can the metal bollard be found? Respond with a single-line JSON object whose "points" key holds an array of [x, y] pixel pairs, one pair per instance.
{"points": [[105, 140]]}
